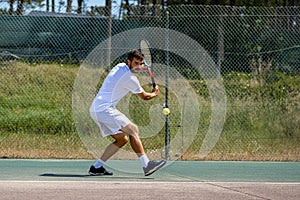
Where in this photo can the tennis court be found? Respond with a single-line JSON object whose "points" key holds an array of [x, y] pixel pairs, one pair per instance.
{"points": [[68, 179]]}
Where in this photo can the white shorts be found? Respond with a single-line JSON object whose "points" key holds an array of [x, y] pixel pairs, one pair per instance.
{"points": [[110, 121]]}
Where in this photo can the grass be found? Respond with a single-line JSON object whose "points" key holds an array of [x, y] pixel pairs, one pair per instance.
{"points": [[36, 98], [262, 122], [32, 145], [265, 133]]}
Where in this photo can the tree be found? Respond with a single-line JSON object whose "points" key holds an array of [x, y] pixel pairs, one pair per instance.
{"points": [[154, 2], [79, 8], [108, 8], [53, 5], [292, 2], [47, 5], [266, 3], [11, 6], [142, 13], [127, 7], [20, 7], [69, 6]]}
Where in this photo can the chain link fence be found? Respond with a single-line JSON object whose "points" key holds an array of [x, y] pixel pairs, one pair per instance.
{"points": [[230, 76]]}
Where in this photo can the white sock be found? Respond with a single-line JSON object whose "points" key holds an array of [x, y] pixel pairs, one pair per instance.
{"points": [[99, 163], [144, 160]]}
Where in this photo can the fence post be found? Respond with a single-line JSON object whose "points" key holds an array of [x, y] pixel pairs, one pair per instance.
{"points": [[167, 131]]}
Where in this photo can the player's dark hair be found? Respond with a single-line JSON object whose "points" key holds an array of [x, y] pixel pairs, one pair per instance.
{"points": [[135, 54]]}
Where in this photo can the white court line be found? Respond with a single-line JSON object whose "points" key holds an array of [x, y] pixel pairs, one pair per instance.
{"points": [[149, 181]]}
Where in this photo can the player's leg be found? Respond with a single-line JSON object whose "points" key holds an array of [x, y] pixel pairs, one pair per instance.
{"points": [[149, 167], [97, 169], [120, 140], [135, 141], [109, 126]]}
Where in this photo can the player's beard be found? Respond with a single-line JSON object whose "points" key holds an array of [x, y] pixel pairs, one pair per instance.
{"points": [[137, 69]]}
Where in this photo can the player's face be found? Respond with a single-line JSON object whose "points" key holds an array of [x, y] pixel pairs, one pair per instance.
{"points": [[136, 65]]}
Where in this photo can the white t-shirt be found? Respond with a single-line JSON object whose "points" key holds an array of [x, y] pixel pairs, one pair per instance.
{"points": [[116, 85]]}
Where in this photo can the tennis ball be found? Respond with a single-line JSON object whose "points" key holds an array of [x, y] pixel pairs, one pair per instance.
{"points": [[166, 111]]}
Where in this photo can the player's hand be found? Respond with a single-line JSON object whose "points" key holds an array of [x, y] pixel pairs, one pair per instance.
{"points": [[155, 90]]}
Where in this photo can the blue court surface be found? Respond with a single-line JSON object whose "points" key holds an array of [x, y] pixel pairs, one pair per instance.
{"points": [[68, 179]]}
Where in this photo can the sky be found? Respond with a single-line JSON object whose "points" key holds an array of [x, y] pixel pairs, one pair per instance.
{"points": [[92, 2], [87, 4]]}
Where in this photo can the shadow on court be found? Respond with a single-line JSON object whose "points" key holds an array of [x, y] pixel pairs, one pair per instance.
{"points": [[64, 175], [68, 179], [89, 176]]}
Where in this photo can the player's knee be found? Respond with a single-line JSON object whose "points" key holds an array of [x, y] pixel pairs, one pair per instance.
{"points": [[121, 141], [134, 129], [131, 130]]}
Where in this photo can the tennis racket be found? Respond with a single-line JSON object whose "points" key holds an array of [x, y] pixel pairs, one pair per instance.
{"points": [[145, 49]]}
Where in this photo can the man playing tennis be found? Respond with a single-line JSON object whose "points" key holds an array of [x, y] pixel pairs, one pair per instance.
{"points": [[112, 122]]}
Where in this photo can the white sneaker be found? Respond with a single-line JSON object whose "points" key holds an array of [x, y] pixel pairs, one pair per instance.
{"points": [[153, 166]]}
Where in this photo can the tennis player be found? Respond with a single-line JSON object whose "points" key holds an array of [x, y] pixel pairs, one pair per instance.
{"points": [[112, 122]]}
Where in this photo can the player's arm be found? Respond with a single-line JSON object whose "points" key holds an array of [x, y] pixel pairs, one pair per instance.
{"points": [[149, 95]]}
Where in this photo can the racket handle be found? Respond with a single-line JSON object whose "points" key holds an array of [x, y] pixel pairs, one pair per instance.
{"points": [[153, 82]]}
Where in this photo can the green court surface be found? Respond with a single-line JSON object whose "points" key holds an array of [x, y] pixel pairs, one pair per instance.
{"points": [[213, 171], [68, 179]]}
